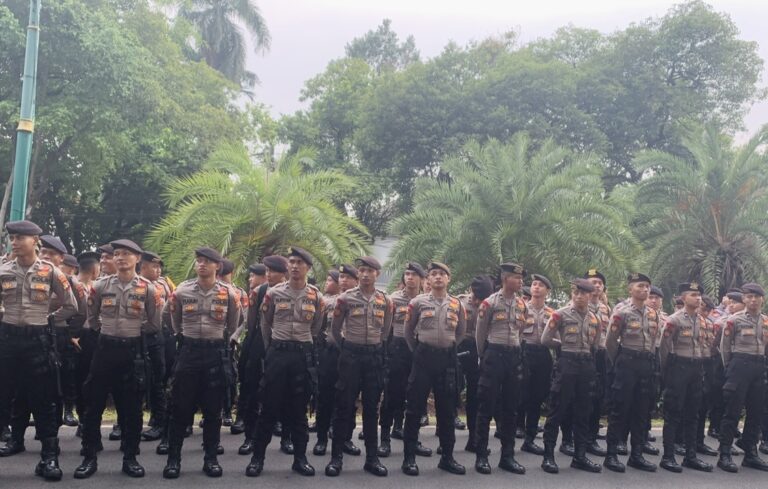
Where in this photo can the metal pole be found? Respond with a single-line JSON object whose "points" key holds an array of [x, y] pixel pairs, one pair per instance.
{"points": [[27, 117]]}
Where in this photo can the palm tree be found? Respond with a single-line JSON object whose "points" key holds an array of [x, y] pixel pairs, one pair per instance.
{"points": [[247, 211], [223, 44], [502, 202], [705, 216]]}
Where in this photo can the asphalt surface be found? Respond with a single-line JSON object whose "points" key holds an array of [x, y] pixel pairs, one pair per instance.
{"points": [[17, 472]]}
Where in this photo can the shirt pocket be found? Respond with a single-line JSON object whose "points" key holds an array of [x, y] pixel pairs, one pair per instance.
{"points": [[218, 310], [308, 310], [39, 292], [427, 319], [571, 332], [190, 310], [284, 310], [10, 289], [109, 306], [378, 316]]}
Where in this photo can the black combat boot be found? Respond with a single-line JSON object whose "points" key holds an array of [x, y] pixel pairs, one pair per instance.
{"points": [[48, 467], [409, 466], [172, 468], [333, 468], [69, 418], [637, 461], [581, 462], [752, 459], [89, 464], [507, 461], [12, 447], [211, 466], [374, 466], [302, 466], [693, 462], [548, 464], [668, 461], [530, 446], [725, 462], [612, 461], [449, 464], [385, 449]]}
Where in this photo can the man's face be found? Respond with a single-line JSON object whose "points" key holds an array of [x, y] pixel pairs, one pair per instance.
{"points": [[125, 260], [107, 263], [692, 300], [255, 281], [654, 301], [150, 270], [331, 286], [599, 286], [367, 275], [438, 279], [513, 281], [753, 302], [539, 289], [52, 256], [205, 268], [69, 271], [297, 268], [735, 307], [580, 298], [22, 245], [412, 280], [274, 277], [639, 290], [346, 282]]}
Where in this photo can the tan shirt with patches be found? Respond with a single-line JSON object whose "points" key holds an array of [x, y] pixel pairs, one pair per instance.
{"points": [[574, 332], [603, 313], [535, 323], [124, 310], [27, 294], [635, 329], [500, 321], [683, 335], [400, 301], [744, 333], [439, 323], [470, 313], [291, 315], [77, 320], [363, 320], [211, 314]]}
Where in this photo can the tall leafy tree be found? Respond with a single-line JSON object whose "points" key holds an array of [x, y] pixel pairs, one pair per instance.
{"points": [[501, 202], [703, 216], [222, 41], [248, 211]]}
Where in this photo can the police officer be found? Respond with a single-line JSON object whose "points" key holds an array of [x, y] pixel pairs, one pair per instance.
{"points": [[480, 289], [27, 362], [400, 359], [362, 319], [88, 272], [603, 313], [205, 312], [434, 323], [735, 303], [743, 348], [711, 356], [150, 268], [683, 342], [225, 275], [291, 317], [538, 361], [253, 345], [123, 307], [630, 346], [576, 331], [501, 319]]}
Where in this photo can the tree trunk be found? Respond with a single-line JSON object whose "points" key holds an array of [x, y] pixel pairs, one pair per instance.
{"points": [[6, 198]]}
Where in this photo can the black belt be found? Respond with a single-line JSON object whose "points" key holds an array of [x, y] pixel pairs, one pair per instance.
{"points": [[118, 341], [13, 330], [290, 345], [581, 357], [687, 360], [643, 355], [203, 343], [433, 349], [356, 348], [532, 347], [502, 348], [750, 357]]}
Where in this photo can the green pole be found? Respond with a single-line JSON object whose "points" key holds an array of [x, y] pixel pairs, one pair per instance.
{"points": [[27, 117]]}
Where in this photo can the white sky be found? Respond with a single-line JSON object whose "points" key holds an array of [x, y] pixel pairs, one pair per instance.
{"points": [[307, 34]]}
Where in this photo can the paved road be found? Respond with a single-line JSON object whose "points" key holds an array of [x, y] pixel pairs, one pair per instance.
{"points": [[16, 472]]}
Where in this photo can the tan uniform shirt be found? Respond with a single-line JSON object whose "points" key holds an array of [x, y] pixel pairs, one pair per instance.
{"points": [[603, 313], [684, 336], [744, 333], [291, 315], [708, 327], [535, 322], [77, 320], [574, 332], [26, 295], [470, 313], [500, 321], [211, 314], [437, 322], [329, 304], [124, 310], [400, 301], [365, 320], [636, 329]]}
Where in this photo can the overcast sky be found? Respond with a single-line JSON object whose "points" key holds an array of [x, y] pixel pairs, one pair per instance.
{"points": [[307, 34]]}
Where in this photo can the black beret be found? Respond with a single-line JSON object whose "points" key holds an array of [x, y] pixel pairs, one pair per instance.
{"points": [[436, 265], [334, 274], [257, 269], [88, 257], [227, 267], [656, 291], [752, 288], [368, 261], [126, 244], [301, 253], [595, 273], [736, 297], [151, 257], [583, 284], [689, 287], [482, 287], [106, 248], [708, 301], [53, 243], [25, 228], [415, 267], [209, 253], [71, 261], [348, 269], [542, 279], [513, 268], [527, 291], [276, 263], [638, 277]]}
